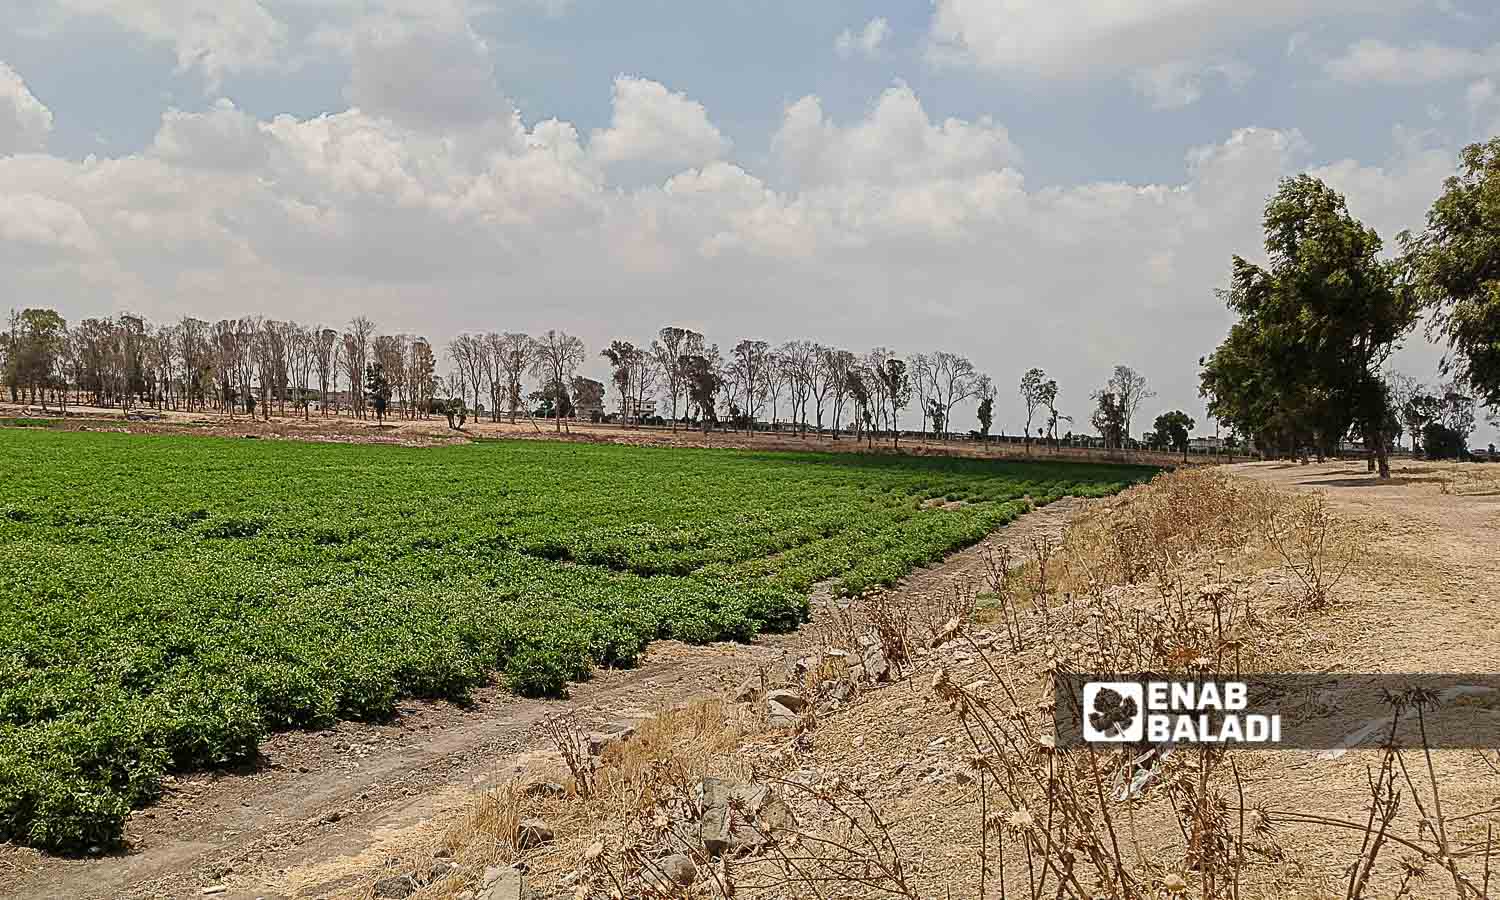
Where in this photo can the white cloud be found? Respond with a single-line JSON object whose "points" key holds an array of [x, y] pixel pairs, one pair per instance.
{"points": [[213, 38], [867, 42], [25, 121], [654, 125], [1174, 85], [1066, 37], [427, 68], [891, 229], [896, 142], [223, 137], [1376, 62]]}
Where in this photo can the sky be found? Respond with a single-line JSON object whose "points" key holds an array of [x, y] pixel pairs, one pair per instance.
{"points": [[1053, 183]]}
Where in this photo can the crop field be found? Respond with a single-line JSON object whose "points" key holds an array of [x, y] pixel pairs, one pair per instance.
{"points": [[166, 601]]}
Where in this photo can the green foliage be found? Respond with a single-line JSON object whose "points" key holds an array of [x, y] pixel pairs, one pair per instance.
{"points": [[1302, 362], [1172, 429], [1441, 442], [165, 601], [1456, 264]]}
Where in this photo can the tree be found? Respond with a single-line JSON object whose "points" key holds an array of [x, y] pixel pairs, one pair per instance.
{"points": [[586, 393], [673, 344], [935, 412], [1109, 418], [750, 367], [1172, 429], [1455, 267], [1130, 387], [986, 411], [379, 388], [701, 382], [1314, 329], [356, 355], [33, 352], [896, 385], [1032, 384], [517, 357], [1047, 393], [836, 365], [558, 356], [956, 380]]}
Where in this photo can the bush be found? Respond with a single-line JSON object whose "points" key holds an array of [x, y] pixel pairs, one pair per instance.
{"points": [[1442, 442]]}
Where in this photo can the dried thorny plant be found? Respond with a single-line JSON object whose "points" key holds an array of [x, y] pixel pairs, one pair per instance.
{"points": [[1313, 545], [572, 742]]}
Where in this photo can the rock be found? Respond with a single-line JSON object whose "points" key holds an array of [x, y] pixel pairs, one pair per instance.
{"points": [[778, 716], [739, 817], [842, 690], [877, 666], [748, 690], [440, 870], [621, 731], [396, 887], [788, 698], [669, 875], [503, 883], [532, 833], [545, 789]]}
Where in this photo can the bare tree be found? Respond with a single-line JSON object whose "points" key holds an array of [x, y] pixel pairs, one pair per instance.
{"points": [[302, 351], [1129, 387], [356, 357], [798, 360], [922, 370], [518, 356], [327, 363], [558, 357], [955, 380], [837, 366], [673, 344], [751, 369]]}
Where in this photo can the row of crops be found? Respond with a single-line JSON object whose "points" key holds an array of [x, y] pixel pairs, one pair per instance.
{"points": [[165, 601]]}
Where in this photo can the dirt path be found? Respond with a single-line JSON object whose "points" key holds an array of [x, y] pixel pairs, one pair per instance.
{"points": [[322, 808], [1430, 569]]}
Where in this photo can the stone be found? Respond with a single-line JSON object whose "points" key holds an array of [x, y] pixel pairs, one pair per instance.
{"points": [[739, 817], [503, 883], [532, 833], [778, 716], [787, 698], [397, 887], [877, 666], [545, 789], [670, 874], [616, 733], [748, 690]]}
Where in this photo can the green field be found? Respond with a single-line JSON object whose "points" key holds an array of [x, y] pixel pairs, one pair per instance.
{"points": [[167, 601]]}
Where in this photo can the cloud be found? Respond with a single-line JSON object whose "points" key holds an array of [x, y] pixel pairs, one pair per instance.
{"points": [[1052, 38], [25, 121], [214, 38], [1376, 62], [866, 43], [896, 142], [221, 138], [654, 125], [1175, 85], [428, 69], [890, 229]]}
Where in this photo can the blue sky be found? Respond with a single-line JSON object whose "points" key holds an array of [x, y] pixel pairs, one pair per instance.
{"points": [[1031, 183]]}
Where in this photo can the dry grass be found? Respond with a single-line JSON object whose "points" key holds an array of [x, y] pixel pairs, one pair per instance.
{"points": [[1197, 571]]}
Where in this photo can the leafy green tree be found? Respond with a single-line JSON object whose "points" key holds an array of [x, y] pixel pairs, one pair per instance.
{"points": [[378, 387], [938, 415], [897, 385], [1455, 264], [1109, 418], [1172, 429], [986, 415], [1441, 442], [32, 351], [1314, 329]]}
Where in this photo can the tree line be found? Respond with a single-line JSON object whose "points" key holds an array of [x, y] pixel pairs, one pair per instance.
{"points": [[1304, 367], [261, 367]]}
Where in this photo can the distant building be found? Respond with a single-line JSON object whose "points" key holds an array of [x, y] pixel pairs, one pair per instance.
{"points": [[638, 411], [1212, 444]]}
